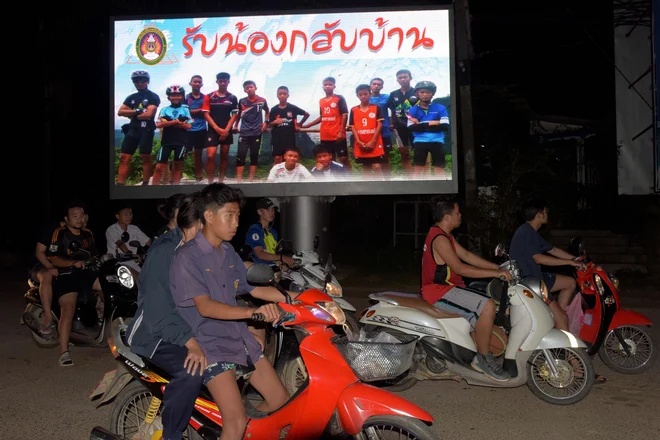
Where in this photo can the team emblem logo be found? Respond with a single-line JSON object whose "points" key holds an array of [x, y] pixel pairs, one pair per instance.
{"points": [[255, 236], [289, 115], [84, 243], [372, 115], [236, 285], [151, 46], [333, 105], [53, 247]]}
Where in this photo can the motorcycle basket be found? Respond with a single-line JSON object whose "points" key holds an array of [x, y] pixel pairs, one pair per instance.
{"points": [[376, 356]]}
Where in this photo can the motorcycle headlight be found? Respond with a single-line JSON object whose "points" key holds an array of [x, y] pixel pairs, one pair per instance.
{"points": [[615, 281], [599, 285], [332, 309], [333, 289], [125, 277]]}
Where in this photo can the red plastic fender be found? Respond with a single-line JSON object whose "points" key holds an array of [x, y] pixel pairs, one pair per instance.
{"points": [[360, 401], [628, 317]]}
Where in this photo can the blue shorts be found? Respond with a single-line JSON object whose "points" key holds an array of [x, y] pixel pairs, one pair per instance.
{"points": [[549, 279]]}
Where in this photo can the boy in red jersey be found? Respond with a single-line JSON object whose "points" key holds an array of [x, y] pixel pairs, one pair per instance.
{"points": [[333, 116], [366, 123]]}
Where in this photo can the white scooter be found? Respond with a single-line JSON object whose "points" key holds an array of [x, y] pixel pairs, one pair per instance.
{"points": [[553, 363]]}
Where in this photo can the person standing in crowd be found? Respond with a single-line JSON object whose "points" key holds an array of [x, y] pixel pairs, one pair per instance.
{"points": [[197, 135], [140, 107]]}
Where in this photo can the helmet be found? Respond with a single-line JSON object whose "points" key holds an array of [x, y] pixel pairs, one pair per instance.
{"points": [[140, 74], [426, 85], [175, 90]]}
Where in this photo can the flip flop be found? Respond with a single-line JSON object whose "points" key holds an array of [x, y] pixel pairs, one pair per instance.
{"points": [[65, 360], [599, 378]]}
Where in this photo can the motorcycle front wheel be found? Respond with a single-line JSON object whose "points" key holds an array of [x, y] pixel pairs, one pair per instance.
{"points": [[395, 427], [641, 347], [574, 379]]}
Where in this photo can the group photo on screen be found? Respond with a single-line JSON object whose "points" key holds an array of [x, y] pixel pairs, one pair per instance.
{"points": [[371, 101]]}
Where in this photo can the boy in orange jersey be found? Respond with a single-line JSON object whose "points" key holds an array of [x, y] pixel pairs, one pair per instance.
{"points": [[333, 115], [366, 123]]}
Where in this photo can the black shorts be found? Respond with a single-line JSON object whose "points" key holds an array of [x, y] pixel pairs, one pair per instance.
{"points": [[196, 140], [279, 147], [251, 144], [79, 281], [422, 149], [370, 160], [339, 147], [387, 144], [142, 138], [166, 151], [213, 138], [405, 135]]}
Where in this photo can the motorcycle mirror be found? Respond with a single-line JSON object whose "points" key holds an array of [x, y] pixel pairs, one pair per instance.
{"points": [[500, 250], [134, 243], [260, 275], [317, 241], [577, 246], [328, 265], [125, 237]]}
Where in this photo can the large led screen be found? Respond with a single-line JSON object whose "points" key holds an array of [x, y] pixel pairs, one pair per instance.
{"points": [[331, 103]]}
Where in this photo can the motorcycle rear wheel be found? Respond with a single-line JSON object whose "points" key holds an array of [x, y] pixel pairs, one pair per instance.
{"points": [[395, 427], [132, 403]]}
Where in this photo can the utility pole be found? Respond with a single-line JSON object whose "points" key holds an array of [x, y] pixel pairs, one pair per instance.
{"points": [[466, 150]]}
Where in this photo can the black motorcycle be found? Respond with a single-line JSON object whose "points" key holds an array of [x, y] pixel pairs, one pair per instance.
{"points": [[93, 318]]}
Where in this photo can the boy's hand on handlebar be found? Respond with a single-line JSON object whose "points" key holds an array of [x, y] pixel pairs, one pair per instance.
{"points": [[288, 261], [579, 265], [504, 275], [270, 311]]}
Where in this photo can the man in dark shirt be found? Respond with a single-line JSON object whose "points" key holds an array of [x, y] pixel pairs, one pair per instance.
{"points": [[530, 250], [251, 111], [44, 272], [284, 124], [220, 108], [140, 107], [70, 247], [399, 103]]}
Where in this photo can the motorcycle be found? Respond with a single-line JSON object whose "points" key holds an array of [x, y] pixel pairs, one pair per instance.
{"points": [[91, 326], [619, 336], [553, 363], [333, 401]]}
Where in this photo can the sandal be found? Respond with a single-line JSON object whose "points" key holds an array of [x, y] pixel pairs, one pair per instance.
{"points": [[65, 360], [599, 378]]}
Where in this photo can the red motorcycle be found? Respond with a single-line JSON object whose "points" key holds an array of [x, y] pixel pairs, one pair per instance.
{"points": [[619, 336], [332, 403]]}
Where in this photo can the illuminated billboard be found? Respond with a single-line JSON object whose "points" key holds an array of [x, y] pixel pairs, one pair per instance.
{"points": [[327, 103]]}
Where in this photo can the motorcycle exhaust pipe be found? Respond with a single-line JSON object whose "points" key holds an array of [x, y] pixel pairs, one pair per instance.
{"points": [[99, 433]]}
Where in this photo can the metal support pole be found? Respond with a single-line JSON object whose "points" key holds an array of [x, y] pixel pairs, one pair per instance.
{"points": [[304, 217]]}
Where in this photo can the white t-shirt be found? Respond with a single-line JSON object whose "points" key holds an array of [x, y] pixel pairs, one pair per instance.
{"points": [[279, 173], [114, 232]]}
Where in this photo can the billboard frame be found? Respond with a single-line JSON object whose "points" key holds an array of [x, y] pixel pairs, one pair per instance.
{"points": [[263, 189]]}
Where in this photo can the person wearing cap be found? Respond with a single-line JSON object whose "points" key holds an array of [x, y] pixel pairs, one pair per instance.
{"points": [[262, 237]]}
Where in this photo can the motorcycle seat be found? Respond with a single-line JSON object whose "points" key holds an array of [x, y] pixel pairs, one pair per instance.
{"points": [[413, 301]]}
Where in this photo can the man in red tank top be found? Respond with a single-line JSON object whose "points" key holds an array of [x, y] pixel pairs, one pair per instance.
{"points": [[444, 263]]}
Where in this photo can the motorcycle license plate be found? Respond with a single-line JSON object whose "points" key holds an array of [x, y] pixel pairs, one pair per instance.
{"points": [[103, 384]]}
